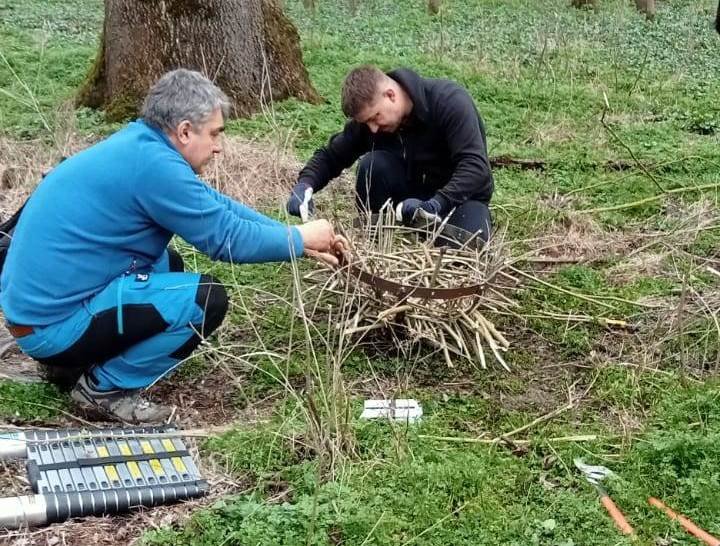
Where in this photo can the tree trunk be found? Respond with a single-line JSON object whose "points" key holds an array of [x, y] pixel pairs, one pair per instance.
{"points": [[584, 3], [647, 7], [249, 48]]}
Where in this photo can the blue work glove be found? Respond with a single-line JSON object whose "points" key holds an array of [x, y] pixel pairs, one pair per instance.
{"points": [[413, 209], [300, 202]]}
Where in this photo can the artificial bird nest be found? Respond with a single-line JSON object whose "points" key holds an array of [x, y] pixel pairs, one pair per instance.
{"points": [[397, 282]]}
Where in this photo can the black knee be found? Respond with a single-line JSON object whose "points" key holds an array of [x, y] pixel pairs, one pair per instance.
{"points": [[362, 182], [212, 298], [470, 223], [380, 176], [177, 264], [365, 168]]}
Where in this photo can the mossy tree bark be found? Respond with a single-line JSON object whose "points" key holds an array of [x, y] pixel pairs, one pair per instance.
{"points": [[643, 6], [248, 47], [583, 3], [647, 7]]}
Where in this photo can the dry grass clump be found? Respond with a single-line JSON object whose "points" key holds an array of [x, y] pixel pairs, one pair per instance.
{"points": [[257, 174], [22, 165], [647, 264], [580, 238]]}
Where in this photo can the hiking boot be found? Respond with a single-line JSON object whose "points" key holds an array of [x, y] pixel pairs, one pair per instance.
{"points": [[120, 405]]}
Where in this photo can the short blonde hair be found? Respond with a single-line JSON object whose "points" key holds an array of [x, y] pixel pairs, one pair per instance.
{"points": [[360, 89]]}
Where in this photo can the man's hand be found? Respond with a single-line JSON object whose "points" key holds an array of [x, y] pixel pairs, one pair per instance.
{"points": [[409, 210], [323, 257], [333, 256], [317, 235], [341, 245], [300, 202]]}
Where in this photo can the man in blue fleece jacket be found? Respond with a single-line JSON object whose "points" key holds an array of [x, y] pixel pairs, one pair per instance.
{"points": [[89, 288]]}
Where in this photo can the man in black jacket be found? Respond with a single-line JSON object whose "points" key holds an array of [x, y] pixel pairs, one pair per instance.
{"points": [[422, 144]]}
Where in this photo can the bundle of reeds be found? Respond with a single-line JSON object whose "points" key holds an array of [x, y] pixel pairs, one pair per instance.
{"points": [[398, 283]]}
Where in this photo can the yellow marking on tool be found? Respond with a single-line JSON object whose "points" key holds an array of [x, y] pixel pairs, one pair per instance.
{"points": [[124, 448], [146, 447], [168, 445], [134, 470], [102, 451], [112, 473], [157, 467], [179, 465]]}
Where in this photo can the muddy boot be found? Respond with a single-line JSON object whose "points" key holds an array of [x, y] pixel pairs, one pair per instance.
{"points": [[120, 405]]}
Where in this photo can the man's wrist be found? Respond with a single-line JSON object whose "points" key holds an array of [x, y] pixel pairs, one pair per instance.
{"points": [[305, 183], [297, 241], [442, 204]]}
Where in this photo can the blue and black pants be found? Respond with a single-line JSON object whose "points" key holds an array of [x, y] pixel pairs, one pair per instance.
{"points": [[135, 330], [382, 175]]}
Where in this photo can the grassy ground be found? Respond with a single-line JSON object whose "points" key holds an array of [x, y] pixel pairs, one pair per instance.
{"points": [[621, 110]]}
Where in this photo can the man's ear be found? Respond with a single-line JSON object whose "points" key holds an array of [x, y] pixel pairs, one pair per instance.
{"points": [[390, 94], [183, 131]]}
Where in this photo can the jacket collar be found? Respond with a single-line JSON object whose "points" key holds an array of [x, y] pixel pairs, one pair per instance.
{"points": [[157, 130], [161, 134], [414, 86]]}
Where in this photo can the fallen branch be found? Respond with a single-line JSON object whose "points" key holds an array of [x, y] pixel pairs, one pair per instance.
{"points": [[507, 161], [547, 417], [633, 204], [493, 441], [561, 289]]}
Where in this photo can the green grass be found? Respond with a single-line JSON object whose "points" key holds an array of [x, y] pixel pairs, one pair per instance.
{"points": [[29, 402], [540, 74], [405, 487]]}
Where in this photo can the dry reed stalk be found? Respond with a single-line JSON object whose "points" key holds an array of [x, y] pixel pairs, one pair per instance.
{"points": [[458, 328]]}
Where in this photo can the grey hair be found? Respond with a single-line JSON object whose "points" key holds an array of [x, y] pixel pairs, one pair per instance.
{"points": [[182, 95]]}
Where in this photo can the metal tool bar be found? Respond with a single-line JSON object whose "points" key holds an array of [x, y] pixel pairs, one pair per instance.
{"points": [[64, 475], [88, 476], [122, 468], [168, 469], [78, 473], [14, 443], [78, 480], [33, 510], [12, 446], [147, 473]]}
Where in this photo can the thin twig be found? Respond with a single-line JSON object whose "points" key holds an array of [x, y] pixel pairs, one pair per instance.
{"points": [[633, 204], [493, 441]]}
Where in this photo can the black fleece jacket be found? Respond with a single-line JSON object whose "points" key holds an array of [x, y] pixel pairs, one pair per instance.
{"points": [[442, 144]]}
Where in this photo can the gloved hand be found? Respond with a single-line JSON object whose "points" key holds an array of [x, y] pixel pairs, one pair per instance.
{"points": [[411, 209], [300, 202]]}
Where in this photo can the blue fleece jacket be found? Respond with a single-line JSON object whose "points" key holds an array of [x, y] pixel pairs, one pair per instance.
{"points": [[114, 207]]}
